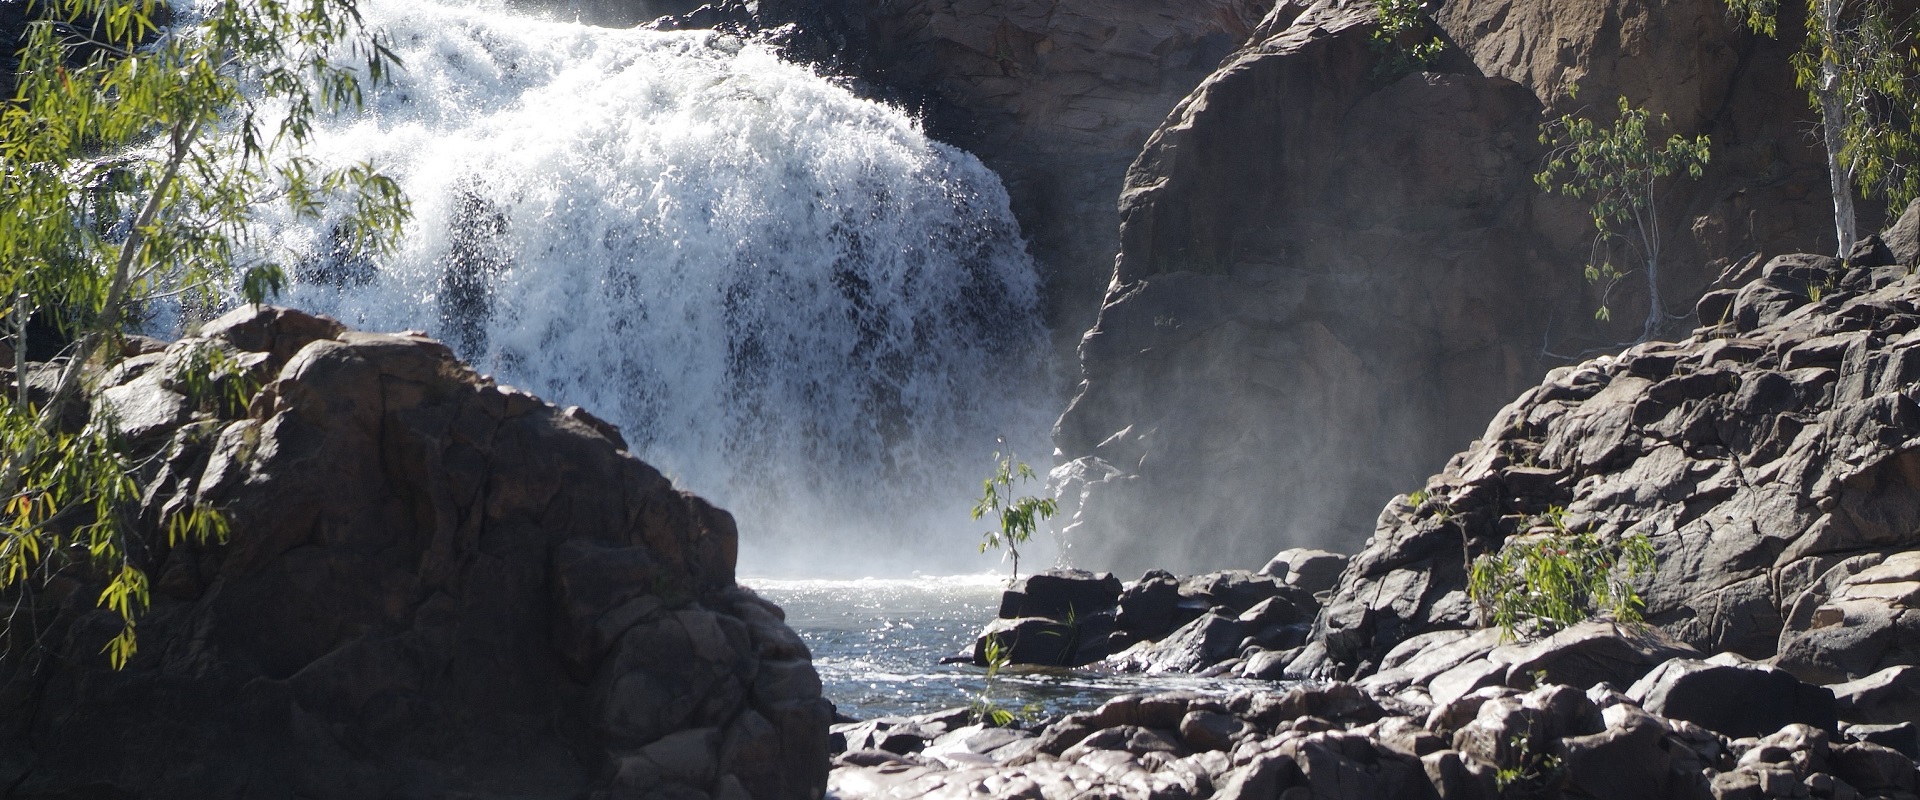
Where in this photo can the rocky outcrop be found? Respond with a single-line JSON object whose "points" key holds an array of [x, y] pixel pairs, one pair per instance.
{"points": [[1770, 459], [1327, 279], [434, 585]]}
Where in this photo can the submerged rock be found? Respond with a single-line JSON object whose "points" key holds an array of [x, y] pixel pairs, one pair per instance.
{"points": [[434, 586]]}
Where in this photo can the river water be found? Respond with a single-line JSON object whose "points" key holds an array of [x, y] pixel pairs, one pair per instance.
{"points": [[877, 643]]}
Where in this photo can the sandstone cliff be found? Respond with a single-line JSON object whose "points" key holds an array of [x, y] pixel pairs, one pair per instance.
{"points": [[435, 586], [1326, 280]]}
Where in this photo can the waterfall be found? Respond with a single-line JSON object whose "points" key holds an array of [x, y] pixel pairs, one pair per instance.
{"points": [[789, 299]]}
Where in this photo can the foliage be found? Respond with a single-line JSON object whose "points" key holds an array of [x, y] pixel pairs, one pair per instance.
{"points": [[1018, 517], [1859, 67], [1555, 579], [984, 708], [1532, 773], [133, 157], [213, 381], [1401, 20], [1617, 169]]}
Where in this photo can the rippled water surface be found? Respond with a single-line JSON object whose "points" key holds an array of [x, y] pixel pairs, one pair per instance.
{"points": [[878, 643]]}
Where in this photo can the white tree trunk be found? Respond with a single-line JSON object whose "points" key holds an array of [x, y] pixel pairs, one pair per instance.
{"points": [[1833, 119]]}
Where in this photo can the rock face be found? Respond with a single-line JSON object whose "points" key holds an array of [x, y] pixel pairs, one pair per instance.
{"points": [[1773, 460], [434, 586], [1057, 96], [1327, 279]]}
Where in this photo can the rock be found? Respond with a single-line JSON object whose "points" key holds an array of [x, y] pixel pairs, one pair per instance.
{"points": [[1208, 730], [1239, 591], [1873, 769], [431, 581], [1592, 652], [1870, 621], [1028, 640], [1149, 607], [1901, 736], [1745, 700], [1268, 665], [1306, 568], [1128, 738], [1194, 647], [1060, 594], [1630, 758], [1889, 696]]}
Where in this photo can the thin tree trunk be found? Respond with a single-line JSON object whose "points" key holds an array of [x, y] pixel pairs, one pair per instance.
{"points": [[1833, 119], [181, 140]]}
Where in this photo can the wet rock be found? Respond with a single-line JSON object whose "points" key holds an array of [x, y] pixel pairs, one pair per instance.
{"points": [[1149, 606], [1029, 640], [1195, 646], [1742, 700], [1060, 594]]}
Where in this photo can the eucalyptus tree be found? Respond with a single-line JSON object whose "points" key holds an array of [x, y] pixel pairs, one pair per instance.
{"points": [[1858, 65], [1617, 170], [139, 145]]}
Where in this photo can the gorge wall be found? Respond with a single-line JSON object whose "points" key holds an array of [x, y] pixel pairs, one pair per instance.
{"points": [[1057, 96], [1327, 280]]}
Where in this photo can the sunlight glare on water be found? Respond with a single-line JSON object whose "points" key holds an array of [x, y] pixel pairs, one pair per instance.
{"points": [[877, 643]]}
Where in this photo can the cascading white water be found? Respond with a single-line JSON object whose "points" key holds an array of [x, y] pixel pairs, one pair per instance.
{"points": [[788, 298]]}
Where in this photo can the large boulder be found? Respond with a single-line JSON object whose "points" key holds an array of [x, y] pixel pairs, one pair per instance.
{"points": [[1732, 698], [434, 586], [1060, 594]]}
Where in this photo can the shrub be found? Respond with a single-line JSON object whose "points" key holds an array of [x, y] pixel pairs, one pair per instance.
{"points": [[1551, 580], [1400, 20]]}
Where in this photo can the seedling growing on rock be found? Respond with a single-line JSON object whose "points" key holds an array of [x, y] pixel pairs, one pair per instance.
{"points": [[1616, 169], [1533, 773], [985, 710], [1018, 517], [1552, 580]]}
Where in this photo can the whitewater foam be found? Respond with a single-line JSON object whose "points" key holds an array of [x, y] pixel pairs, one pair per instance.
{"points": [[788, 298]]}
